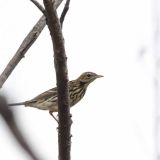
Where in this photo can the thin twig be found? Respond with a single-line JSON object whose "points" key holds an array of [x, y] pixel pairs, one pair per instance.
{"points": [[25, 45], [8, 117], [39, 6], [64, 136], [64, 12]]}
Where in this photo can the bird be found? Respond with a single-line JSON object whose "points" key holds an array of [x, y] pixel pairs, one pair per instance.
{"points": [[48, 99]]}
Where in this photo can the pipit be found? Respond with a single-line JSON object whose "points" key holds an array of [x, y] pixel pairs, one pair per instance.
{"points": [[48, 99]]}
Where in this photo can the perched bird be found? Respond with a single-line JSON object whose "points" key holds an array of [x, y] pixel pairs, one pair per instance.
{"points": [[48, 100]]}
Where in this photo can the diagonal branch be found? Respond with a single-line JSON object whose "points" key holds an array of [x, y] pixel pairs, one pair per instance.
{"points": [[26, 44], [39, 6], [8, 117], [64, 137], [64, 12]]}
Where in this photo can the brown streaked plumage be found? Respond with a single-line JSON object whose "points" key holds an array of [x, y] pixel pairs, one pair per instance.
{"points": [[48, 100]]}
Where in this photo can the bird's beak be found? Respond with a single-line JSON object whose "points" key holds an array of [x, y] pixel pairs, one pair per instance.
{"points": [[99, 76]]}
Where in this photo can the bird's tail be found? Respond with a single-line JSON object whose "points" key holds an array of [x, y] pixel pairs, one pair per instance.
{"points": [[16, 104]]}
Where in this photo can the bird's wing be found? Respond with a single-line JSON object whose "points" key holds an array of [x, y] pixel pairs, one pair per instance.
{"points": [[49, 95]]}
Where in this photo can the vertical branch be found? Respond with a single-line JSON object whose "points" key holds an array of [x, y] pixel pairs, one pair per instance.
{"points": [[64, 137]]}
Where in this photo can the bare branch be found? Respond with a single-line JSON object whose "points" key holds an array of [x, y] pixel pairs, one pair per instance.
{"points": [[26, 44], [8, 117], [64, 137], [39, 6], [64, 12]]}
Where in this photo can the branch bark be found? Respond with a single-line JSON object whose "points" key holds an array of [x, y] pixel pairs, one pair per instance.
{"points": [[39, 6], [8, 117], [64, 12], [26, 44], [64, 137]]}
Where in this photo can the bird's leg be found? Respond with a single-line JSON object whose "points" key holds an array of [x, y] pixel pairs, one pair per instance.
{"points": [[51, 113]]}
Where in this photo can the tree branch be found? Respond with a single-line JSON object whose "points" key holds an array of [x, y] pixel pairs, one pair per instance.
{"points": [[8, 117], [64, 12], [64, 137], [39, 6], [26, 44]]}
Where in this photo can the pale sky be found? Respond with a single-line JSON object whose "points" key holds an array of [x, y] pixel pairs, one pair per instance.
{"points": [[115, 120]]}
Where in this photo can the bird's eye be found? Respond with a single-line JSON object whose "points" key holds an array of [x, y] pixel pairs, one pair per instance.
{"points": [[88, 75]]}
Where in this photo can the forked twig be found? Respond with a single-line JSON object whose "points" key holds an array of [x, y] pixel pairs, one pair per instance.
{"points": [[26, 44]]}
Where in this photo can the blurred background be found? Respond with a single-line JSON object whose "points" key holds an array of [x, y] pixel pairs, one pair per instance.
{"points": [[119, 115]]}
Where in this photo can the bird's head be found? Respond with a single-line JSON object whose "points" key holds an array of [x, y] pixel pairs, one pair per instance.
{"points": [[88, 77]]}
